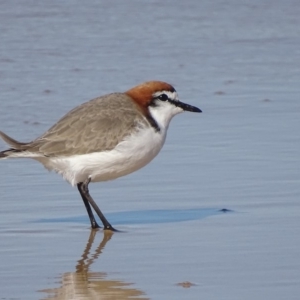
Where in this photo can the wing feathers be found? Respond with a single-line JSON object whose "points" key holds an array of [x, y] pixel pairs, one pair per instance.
{"points": [[98, 125]]}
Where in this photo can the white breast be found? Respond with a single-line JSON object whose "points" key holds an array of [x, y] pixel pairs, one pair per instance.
{"points": [[130, 155]]}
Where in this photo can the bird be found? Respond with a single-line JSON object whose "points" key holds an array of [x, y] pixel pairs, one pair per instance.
{"points": [[105, 138]]}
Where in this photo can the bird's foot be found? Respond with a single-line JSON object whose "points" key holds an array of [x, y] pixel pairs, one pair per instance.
{"points": [[110, 228]]}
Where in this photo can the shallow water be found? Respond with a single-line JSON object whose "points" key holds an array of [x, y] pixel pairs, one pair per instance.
{"points": [[239, 62]]}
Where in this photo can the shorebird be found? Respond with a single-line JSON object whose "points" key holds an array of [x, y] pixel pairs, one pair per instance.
{"points": [[105, 138]]}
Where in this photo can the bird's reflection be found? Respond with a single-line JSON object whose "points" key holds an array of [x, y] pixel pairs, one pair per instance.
{"points": [[84, 284]]}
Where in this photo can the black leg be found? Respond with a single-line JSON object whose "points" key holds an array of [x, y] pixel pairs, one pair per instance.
{"points": [[87, 196], [80, 187]]}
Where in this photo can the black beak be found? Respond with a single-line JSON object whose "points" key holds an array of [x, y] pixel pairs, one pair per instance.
{"points": [[188, 107]]}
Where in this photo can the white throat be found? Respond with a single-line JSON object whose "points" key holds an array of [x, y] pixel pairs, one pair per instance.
{"points": [[163, 113]]}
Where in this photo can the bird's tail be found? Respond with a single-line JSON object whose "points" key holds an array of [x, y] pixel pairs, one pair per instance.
{"points": [[15, 146]]}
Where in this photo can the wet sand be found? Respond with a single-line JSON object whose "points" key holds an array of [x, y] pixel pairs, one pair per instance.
{"points": [[238, 62]]}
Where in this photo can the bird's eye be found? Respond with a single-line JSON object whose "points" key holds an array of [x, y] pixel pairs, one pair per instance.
{"points": [[163, 97]]}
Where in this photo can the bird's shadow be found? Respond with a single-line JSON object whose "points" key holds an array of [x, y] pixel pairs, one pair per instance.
{"points": [[146, 216]]}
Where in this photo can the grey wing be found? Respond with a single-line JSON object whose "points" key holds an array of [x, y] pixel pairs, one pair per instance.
{"points": [[97, 125]]}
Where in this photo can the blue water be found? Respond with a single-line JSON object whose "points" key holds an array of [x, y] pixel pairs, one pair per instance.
{"points": [[236, 60]]}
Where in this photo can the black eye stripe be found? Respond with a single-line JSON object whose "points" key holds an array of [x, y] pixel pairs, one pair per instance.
{"points": [[163, 96]]}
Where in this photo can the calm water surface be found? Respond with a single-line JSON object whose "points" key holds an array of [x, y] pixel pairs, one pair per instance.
{"points": [[239, 62]]}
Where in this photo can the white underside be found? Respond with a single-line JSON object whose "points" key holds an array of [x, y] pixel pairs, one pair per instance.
{"points": [[128, 156]]}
